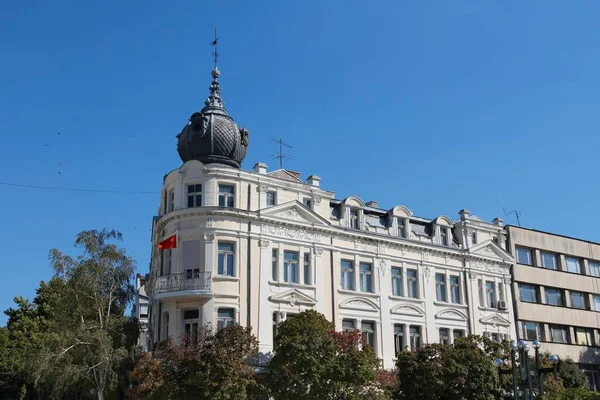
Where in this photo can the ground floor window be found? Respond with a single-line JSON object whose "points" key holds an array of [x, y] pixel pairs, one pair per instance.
{"points": [[225, 318]]}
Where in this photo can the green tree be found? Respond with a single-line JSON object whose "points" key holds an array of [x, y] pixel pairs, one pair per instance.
{"points": [[312, 361], [204, 366], [461, 371], [88, 338]]}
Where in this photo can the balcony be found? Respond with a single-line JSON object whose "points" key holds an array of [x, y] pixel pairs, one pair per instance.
{"points": [[183, 285]]}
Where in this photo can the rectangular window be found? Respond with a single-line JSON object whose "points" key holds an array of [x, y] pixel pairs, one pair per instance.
{"points": [[528, 293], [554, 297], [594, 268], [597, 303], [444, 236], [524, 256], [368, 334], [549, 260], [171, 195], [191, 323], [348, 325], [307, 268], [225, 259], [440, 287], [573, 265], [271, 198], [559, 334], [415, 337], [474, 238], [226, 196], [490, 293], [532, 331], [274, 265], [366, 277], [584, 336], [396, 281], [458, 333], [398, 338], [194, 195], [347, 278], [225, 318], [306, 201], [455, 289], [444, 336], [290, 267], [495, 337], [143, 311], [353, 219], [402, 228], [411, 283], [578, 300]]}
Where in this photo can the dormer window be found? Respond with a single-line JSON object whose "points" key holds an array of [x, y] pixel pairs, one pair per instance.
{"points": [[443, 236], [402, 228], [474, 238], [354, 218]]}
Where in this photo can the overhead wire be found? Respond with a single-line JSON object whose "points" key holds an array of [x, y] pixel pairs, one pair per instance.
{"points": [[75, 189]]}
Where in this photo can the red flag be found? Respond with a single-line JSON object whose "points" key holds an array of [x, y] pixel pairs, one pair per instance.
{"points": [[168, 243]]}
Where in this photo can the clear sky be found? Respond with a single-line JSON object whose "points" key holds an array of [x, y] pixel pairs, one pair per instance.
{"points": [[436, 105]]}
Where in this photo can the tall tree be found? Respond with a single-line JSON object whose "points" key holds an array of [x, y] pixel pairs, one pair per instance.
{"points": [[206, 366], [88, 336], [312, 361]]}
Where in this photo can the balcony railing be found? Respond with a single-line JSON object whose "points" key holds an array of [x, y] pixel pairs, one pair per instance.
{"points": [[184, 281]]}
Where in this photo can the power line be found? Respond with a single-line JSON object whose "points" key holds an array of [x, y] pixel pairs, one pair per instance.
{"points": [[74, 189]]}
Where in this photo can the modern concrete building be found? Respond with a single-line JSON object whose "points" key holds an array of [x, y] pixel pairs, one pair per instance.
{"points": [[141, 309], [256, 247], [556, 291]]}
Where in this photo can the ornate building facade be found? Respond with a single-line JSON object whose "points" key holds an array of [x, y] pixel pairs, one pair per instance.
{"points": [[256, 247]]}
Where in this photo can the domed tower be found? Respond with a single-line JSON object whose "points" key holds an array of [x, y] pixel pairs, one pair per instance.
{"points": [[211, 136]]}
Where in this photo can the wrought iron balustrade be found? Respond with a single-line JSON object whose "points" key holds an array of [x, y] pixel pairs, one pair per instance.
{"points": [[184, 281]]}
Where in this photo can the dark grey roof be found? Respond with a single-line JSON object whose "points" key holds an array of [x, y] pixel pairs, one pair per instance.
{"points": [[212, 136]]}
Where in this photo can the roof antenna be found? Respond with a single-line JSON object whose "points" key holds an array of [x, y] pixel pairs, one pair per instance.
{"points": [[215, 43], [517, 213], [280, 154]]}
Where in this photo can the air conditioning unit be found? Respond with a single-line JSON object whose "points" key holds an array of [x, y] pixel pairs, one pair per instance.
{"points": [[502, 305]]}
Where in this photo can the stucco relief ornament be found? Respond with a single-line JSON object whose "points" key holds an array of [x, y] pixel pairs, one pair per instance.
{"points": [[209, 238], [427, 273], [383, 266], [426, 256], [318, 251], [317, 200], [488, 251], [292, 214], [292, 299], [473, 275], [264, 243]]}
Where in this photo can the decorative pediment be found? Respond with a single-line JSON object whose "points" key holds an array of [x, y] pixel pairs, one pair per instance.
{"points": [[408, 309], [359, 303], [495, 320], [454, 315], [294, 211], [293, 297], [491, 250]]}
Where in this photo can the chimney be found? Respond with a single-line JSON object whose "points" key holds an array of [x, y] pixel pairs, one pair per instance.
{"points": [[260, 168], [498, 221], [372, 203], [314, 180], [464, 214]]}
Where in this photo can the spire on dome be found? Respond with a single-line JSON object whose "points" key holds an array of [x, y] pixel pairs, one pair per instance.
{"points": [[214, 99]]}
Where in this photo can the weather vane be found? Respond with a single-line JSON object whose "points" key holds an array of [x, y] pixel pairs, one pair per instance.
{"points": [[214, 43]]}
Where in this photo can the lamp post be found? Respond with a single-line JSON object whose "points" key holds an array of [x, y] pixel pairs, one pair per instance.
{"points": [[525, 371], [513, 355], [536, 345]]}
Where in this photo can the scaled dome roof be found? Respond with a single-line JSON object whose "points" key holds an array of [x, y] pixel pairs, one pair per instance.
{"points": [[212, 136]]}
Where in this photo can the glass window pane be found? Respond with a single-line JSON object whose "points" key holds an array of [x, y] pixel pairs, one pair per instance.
{"points": [[225, 312], [524, 256], [226, 189], [597, 303], [549, 260], [226, 246], [573, 265], [594, 268], [290, 255], [347, 324]]}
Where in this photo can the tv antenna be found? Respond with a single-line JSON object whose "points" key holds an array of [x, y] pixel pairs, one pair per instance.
{"points": [[280, 155], [517, 214]]}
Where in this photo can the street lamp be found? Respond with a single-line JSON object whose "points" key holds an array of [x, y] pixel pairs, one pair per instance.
{"points": [[536, 345], [554, 361]]}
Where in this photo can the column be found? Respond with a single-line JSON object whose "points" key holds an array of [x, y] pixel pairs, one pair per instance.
{"points": [[429, 296], [280, 264], [356, 273], [317, 276], [386, 349], [406, 336], [173, 318], [265, 319], [207, 314]]}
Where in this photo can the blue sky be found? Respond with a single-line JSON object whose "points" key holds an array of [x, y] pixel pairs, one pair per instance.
{"points": [[435, 105]]}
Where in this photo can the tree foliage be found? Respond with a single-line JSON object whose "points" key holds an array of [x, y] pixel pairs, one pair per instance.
{"points": [[205, 366], [462, 371], [312, 361]]}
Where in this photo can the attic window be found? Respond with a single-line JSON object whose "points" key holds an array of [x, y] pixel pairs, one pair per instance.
{"points": [[443, 236], [353, 218], [402, 227], [474, 237]]}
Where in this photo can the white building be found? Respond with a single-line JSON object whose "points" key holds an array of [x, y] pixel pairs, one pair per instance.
{"points": [[256, 247], [141, 309]]}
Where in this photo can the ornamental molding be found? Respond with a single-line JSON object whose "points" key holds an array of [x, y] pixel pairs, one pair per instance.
{"points": [[317, 200], [452, 315], [292, 233], [408, 309], [317, 251], [209, 238], [361, 304], [495, 320], [264, 243], [427, 272], [383, 266]]}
